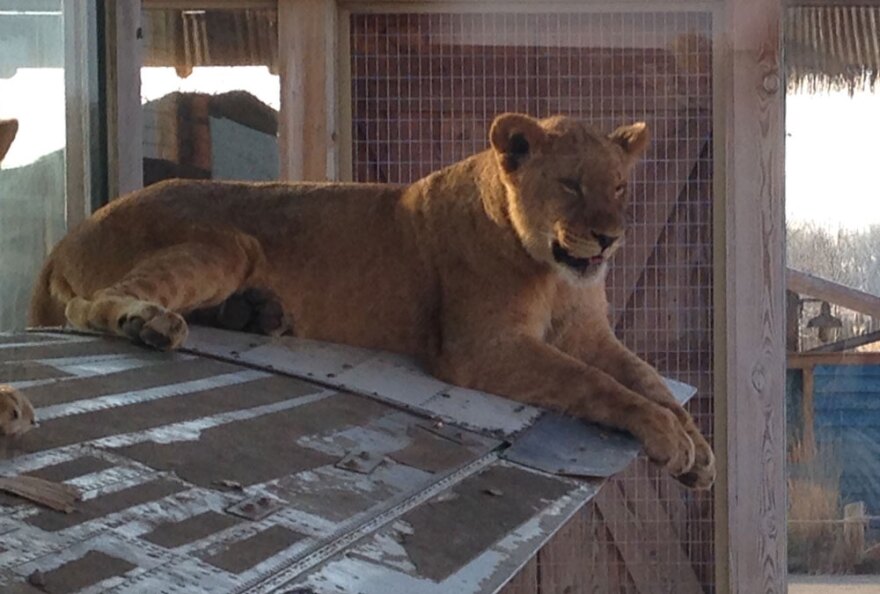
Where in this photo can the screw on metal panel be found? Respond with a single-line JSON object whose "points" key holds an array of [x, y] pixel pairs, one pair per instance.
{"points": [[37, 579]]}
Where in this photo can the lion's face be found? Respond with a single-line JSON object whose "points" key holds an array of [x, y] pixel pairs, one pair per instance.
{"points": [[16, 412], [567, 188]]}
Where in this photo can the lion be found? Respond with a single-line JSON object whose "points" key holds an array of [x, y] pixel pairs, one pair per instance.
{"points": [[16, 413], [489, 271]]}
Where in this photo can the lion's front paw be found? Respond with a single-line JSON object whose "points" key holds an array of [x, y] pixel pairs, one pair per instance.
{"points": [[155, 326], [702, 474], [666, 441]]}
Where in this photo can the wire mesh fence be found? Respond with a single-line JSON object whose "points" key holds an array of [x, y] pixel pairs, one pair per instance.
{"points": [[426, 86]]}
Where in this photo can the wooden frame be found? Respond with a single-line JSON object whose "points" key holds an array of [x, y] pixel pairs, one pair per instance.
{"points": [[750, 413], [307, 122], [82, 156], [125, 117]]}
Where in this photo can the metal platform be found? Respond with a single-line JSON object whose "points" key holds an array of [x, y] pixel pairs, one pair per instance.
{"points": [[250, 464]]}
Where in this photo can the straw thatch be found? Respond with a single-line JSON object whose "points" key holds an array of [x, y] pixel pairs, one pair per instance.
{"points": [[832, 47]]}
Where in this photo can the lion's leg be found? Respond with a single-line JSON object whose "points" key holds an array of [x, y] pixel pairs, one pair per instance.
{"points": [[529, 370], [146, 304], [611, 356]]}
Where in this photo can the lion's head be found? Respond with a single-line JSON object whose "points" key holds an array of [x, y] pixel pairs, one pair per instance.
{"points": [[566, 188]]}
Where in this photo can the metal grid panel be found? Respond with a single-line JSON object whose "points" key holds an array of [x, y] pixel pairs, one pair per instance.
{"points": [[425, 88]]}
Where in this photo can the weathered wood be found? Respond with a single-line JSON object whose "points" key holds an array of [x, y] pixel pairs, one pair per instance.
{"points": [[125, 116], [847, 343], [526, 581], [640, 529], [563, 560], [792, 322], [807, 409], [750, 431], [855, 523], [804, 360], [307, 123], [807, 284]]}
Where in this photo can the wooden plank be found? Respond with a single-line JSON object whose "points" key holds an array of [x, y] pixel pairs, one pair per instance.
{"points": [[307, 124], [807, 284], [847, 343], [525, 582], [562, 561], [125, 117], [750, 418], [855, 523], [640, 529], [80, 86], [802, 360], [808, 409]]}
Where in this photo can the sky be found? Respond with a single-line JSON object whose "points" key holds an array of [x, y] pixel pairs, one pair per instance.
{"points": [[832, 159]]}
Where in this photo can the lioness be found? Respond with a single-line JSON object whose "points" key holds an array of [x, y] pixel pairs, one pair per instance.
{"points": [[491, 271]]}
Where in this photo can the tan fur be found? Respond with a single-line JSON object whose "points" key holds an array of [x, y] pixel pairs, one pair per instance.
{"points": [[16, 412], [458, 269]]}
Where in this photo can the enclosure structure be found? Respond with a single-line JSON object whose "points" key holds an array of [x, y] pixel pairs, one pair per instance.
{"points": [[388, 91]]}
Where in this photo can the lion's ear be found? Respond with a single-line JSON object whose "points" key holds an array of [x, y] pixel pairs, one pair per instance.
{"points": [[633, 139], [515, 137]]}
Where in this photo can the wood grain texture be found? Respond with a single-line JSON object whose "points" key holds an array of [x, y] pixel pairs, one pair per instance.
{"points": [[563, 562], [526, 581], [307, 124], [125, 117], [820, 288], [641, 528], [751, 423]]}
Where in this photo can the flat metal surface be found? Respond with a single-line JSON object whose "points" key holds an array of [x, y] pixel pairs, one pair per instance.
{"points": [[208, 475], [566, 446], [387, 376]]}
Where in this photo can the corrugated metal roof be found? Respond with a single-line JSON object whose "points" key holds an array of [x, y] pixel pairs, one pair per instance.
{"points": [[832, 46], [249, 464]]}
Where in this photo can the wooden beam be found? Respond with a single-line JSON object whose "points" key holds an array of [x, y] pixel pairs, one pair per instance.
{"points": [[804, 360], [524, 582], [808, 410], [307, 126], [125, 116], [750, 413], [641, 528], [847, 343], [807, 284]]}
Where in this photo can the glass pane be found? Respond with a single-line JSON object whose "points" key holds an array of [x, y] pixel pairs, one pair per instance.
{"points": [[32, 183], [211, 94], [425, 89], [833, 242]]}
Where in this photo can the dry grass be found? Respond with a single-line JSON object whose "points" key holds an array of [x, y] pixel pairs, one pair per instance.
{"points": [[815, 531]]}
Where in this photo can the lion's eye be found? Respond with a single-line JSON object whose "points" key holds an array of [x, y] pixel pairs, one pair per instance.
{"points": [[572, 187], [15, 414], [620, 191]]}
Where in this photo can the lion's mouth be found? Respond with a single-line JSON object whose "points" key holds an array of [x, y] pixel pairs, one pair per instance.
{"points": [[580, 265]]}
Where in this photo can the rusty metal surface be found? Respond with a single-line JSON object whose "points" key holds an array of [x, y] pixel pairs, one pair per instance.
{"points": [[201, 475]]}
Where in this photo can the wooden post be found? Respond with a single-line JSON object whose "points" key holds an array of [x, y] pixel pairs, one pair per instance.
{"points": [[750, 418], [792, 322], [125, 117], [854, 525], [808, 414], [307, 53]]}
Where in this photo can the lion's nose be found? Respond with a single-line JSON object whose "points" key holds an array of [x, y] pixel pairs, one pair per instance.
{"points": [[604, 240]]}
